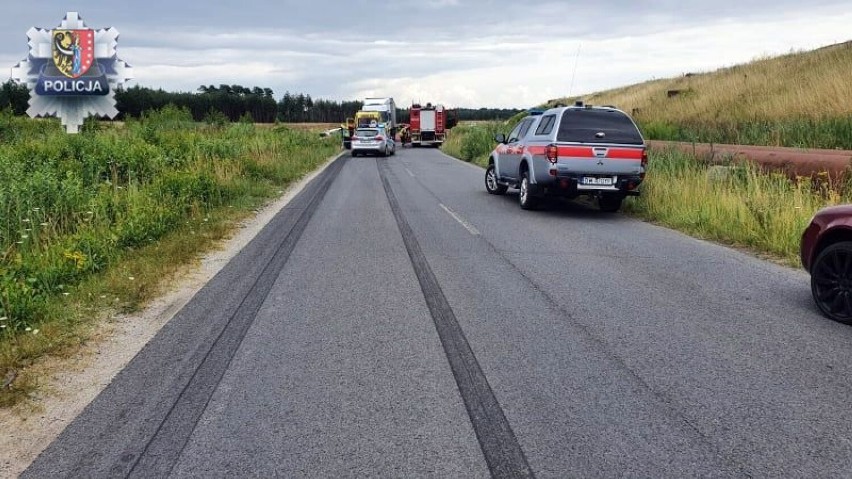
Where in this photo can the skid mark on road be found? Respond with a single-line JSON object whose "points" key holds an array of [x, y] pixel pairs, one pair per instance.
{"points": [[165, 447], [497, 440]]}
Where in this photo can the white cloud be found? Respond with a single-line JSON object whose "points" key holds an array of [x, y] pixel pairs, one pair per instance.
{"points": [[525, 73], [461, 53], [442, 3]]}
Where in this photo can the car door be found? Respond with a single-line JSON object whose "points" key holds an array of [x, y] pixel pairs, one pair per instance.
{"points": [[385, 132], [511, 160]]}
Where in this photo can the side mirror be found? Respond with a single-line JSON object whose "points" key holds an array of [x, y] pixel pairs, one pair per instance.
{"points": [[500, 138]]}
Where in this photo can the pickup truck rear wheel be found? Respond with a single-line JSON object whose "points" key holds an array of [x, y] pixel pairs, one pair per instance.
{"points": [[491, 185], [525, 198], [610, 203]]}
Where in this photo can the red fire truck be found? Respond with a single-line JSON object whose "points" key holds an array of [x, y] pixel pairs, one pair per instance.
{"points": [[428, 125]]}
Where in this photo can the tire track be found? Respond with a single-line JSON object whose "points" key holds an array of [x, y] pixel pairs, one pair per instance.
{"points": [[166, 445], [737, 468], [501, 448]]}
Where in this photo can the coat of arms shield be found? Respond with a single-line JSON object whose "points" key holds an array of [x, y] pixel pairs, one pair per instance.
{"points": [[73, 51]]}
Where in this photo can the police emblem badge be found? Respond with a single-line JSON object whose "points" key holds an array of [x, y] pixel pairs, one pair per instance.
{"points": [[72, 72]]}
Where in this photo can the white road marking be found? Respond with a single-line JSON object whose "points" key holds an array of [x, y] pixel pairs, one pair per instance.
{"points": [[409, 172], [469, 165], [469, 227]]}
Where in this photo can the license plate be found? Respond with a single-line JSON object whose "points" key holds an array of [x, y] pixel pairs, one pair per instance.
{"points": [[591, 180]]}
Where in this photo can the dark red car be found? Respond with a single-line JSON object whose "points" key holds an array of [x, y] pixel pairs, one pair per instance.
{"points": [[827, 255]]}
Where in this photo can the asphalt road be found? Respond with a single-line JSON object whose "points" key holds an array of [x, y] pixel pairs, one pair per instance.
{"points": [[397, 321]]}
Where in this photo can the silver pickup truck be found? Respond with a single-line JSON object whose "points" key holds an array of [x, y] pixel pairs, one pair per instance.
{"points": [[570, 152]]}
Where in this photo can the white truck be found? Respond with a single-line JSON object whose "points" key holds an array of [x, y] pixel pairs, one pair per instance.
{"points": [[387, 109]]}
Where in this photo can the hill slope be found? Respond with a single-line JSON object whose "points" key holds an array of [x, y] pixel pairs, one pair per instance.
{"points": [[812, 84], [800, 99]]}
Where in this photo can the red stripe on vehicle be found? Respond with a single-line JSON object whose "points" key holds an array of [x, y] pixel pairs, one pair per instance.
{"points": [[575, 151], [611, 154], [624, 154]]}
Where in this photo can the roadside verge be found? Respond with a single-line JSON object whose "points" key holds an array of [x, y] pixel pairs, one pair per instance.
{"points": [[70, 383]]}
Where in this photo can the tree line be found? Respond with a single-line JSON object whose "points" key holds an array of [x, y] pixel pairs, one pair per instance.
{"points": [[14, 96], [232, 101], [236, 102]]}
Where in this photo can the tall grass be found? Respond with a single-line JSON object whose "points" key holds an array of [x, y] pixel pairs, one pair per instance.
{"points": [[829, 133], [77, 207], [739, 205], [473, 143]]}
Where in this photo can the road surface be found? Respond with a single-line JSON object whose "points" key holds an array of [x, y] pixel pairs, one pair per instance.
{"points": [[397, 321]]}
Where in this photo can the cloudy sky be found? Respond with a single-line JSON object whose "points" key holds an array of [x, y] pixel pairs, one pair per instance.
{"points": [[467, 53]]}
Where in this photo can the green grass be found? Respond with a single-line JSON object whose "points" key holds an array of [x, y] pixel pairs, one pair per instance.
{"points": [[828, 133], [738, 205], [95, 222], [473, 143]]}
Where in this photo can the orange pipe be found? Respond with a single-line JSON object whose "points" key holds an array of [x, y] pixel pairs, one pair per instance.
{"points": [[793, 161]]}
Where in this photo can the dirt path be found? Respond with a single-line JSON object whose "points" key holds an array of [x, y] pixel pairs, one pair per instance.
{"points": [[70, 384]]}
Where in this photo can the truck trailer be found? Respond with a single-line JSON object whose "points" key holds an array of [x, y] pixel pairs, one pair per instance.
{"points": [[386, 109]]}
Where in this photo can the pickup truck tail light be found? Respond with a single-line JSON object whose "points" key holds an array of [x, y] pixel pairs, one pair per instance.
{"points": [[552, 153], [644, 163]]}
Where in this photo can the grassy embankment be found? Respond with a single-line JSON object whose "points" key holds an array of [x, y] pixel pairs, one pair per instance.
{"points": [[798, 100], [98, 222], [802, 100]]}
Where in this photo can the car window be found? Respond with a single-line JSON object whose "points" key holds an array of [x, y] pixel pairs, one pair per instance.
{"points": [[520, 130], [526, 128], [513, 136], [367, 122], [584, 125], [546, 125], [366, 132]]}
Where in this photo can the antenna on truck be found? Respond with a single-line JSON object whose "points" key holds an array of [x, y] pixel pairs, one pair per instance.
{"points": [[574, 73]]}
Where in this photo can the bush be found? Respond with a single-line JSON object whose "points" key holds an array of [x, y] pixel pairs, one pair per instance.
{"points": [[216, 118], [473, 143]]}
